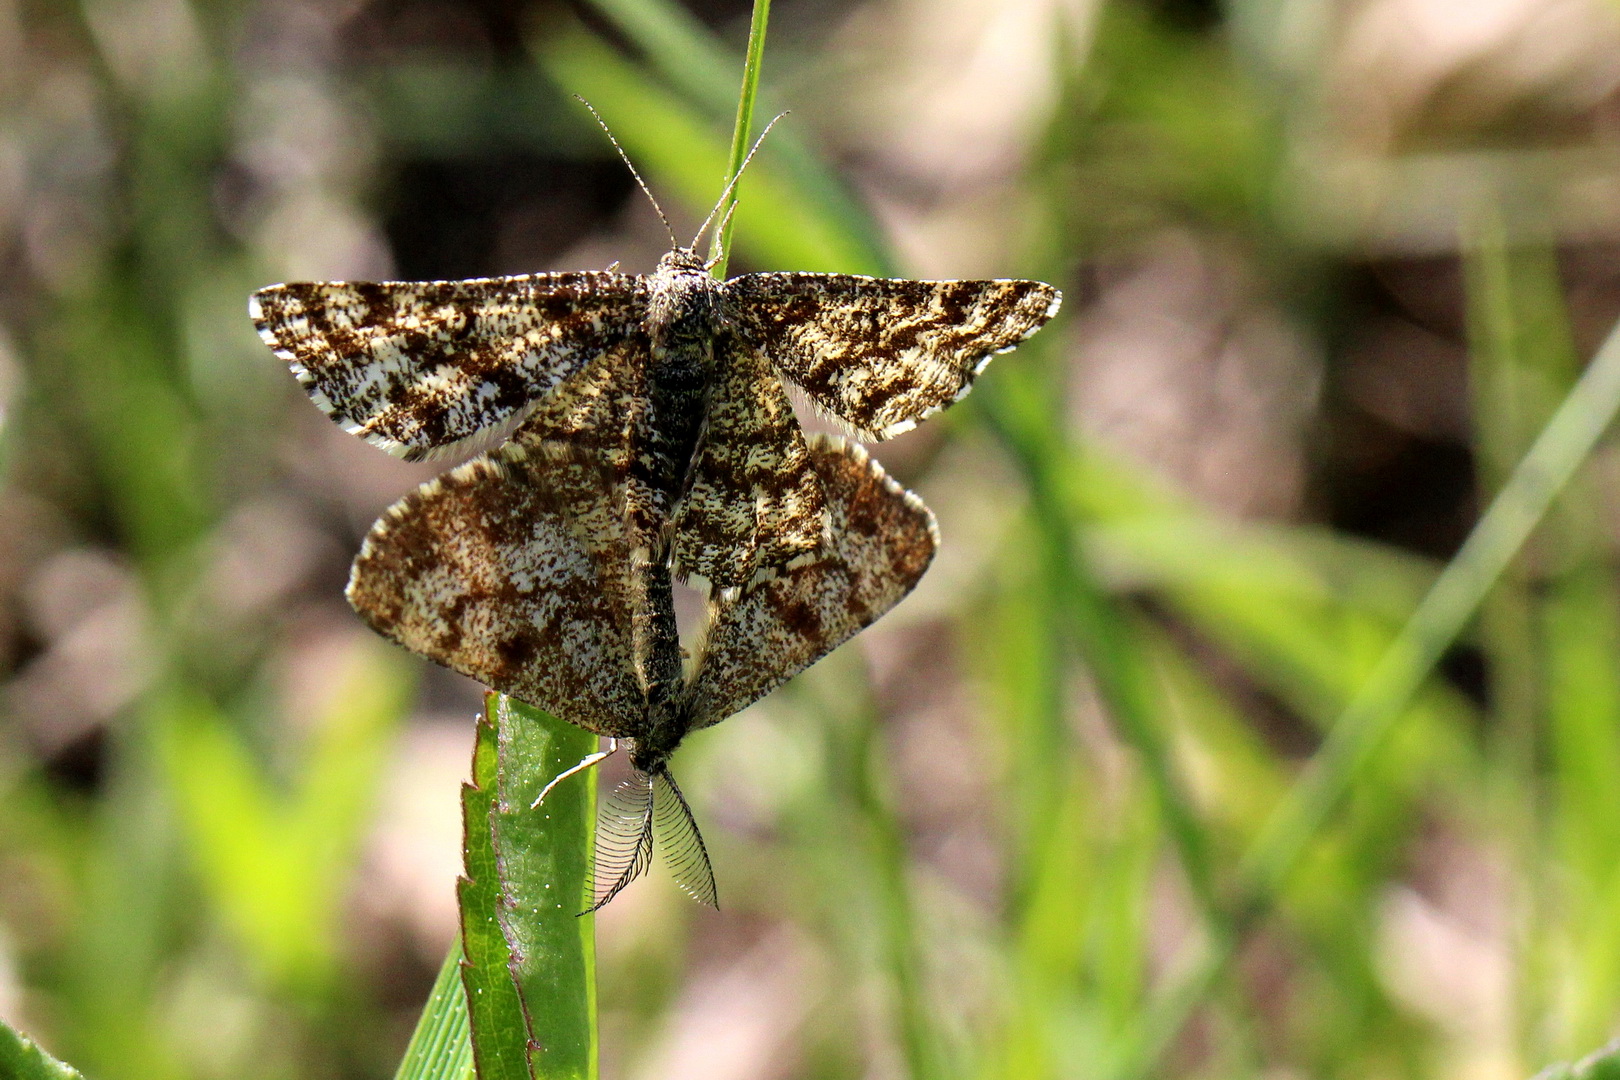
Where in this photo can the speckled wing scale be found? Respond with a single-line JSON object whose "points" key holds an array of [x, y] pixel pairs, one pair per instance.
{"points": [[880, 540], [488, 571], [431, 368], [484, 572], [717, 476], [881, 354], [754, 500], [637, 431]]}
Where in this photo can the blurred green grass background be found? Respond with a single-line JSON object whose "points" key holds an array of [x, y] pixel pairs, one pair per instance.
{"points": [[1330, 268]]}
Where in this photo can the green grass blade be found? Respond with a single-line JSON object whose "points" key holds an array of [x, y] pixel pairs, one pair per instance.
{"points": [[331, 807], [276, 862], [22, 1059], [1543, 626], [500, 1032], [1566, 441], [1603, 1065], [676, 146], [679, 46], [871, 840], [1362, 729], [1020, 415], [699, 66], [441, 1047], [543, 859], [720, 247]]}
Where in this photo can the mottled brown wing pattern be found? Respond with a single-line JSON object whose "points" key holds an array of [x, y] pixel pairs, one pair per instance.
{"points": [[754, 499], [880, 354], [583, 444], [427, 369], [483, 570], [880, 541]]}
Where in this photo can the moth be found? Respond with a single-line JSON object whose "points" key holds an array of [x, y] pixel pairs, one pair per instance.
{"points": [[519, 574], [680, 374]]}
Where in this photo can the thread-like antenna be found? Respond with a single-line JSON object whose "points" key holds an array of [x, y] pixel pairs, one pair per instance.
{"points": [[725, 223], [673, 243], [726, 194]]}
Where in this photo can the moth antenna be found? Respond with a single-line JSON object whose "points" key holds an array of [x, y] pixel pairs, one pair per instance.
{"points": [[677, 832], [673, 243], [624, 839], [725, 223], [726, 194]]}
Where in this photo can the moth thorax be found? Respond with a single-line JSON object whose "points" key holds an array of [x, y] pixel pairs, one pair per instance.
{"points": [[683, 305]]}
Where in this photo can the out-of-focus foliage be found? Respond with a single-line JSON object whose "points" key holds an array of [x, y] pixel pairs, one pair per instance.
{"points": [[1330, 269], [1602, 1065]]}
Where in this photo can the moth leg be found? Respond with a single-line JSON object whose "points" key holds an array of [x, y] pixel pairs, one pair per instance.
{"points": [[584, 763]]}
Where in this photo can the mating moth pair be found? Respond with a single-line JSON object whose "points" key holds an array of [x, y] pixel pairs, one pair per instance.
{"points": [[641, 434]]}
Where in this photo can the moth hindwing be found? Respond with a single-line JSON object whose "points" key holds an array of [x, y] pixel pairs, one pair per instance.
{"points": [[507, 570], [710, 465]]}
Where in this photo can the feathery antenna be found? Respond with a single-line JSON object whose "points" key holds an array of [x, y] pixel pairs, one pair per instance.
{"points": [[726, 194], [673, 243], [624, 839]]}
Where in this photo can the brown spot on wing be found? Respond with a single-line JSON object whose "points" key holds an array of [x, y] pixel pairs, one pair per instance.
{"points": [[423, 368], [482, 570], [882, 354], [880, 541]]}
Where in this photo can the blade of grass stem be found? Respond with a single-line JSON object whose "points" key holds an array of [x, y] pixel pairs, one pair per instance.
{"points": [[1602, 1065], [858, 788], [543, 859], [919, 1037], [698, 65], [1022, 418], [22, 1059], [441, 1046], [679, 46], [1522, 360], [1022, 652], [1102, 633], [1560, 448], [720, 244], [499, 1030]]}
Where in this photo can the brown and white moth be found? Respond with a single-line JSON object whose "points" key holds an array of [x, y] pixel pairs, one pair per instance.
{"points": [[642, 434], [682, 375], [508, 569]]}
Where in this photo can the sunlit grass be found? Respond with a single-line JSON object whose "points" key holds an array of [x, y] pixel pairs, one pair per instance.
{"points": [[1158, 866]]}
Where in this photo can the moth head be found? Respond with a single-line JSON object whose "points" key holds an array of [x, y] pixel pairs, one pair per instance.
{"points": [[682, 258]]}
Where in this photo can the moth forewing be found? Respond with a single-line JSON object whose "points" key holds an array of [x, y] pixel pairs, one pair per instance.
{"points": [[880, 540], [432, 369], [880, 355], [425, 369]]}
